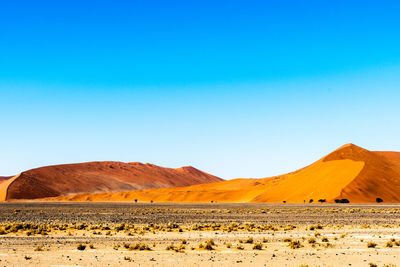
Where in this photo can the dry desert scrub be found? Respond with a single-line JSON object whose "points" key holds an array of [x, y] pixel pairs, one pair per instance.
{"points": [[295, 244], [139, 246], [81, 247], [257, 246], [311, 240]]}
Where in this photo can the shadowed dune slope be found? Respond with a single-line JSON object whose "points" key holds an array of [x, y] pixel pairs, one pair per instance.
{"points": [[349, 172], [4, 178], [97, 177]]}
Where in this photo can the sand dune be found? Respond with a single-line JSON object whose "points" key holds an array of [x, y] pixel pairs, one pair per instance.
{"points": [[97, 177], [4, 178], [349, 172]]}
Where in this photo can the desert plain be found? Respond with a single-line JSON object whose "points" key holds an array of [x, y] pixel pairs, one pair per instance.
{"points": [[202, 234]]}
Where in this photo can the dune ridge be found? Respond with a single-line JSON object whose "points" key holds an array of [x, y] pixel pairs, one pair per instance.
{"points": [[349, 172]]}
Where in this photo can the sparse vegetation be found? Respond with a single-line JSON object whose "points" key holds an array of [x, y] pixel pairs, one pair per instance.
{"points": [[81, 247], [389, 244], [128, 258], [167, 221], [295, 244], [139, 246], [39, 248], [249, 240], [311, 240], [257, 246], [343, 200]]}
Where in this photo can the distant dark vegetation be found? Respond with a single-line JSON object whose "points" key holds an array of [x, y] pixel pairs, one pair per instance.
{"points": [[343, 200]]}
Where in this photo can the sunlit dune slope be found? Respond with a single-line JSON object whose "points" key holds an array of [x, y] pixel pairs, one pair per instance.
{"points": [[95, 177], [349, 172]]}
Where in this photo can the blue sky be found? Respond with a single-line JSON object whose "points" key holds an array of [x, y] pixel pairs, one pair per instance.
{"points": [[235, 88]]}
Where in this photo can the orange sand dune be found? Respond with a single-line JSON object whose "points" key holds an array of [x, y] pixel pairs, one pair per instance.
{"points": [[97, 177], [349, 172]]}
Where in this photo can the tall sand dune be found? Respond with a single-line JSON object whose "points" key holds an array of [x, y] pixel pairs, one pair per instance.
{"points": [[97, 177], [349, 172]]}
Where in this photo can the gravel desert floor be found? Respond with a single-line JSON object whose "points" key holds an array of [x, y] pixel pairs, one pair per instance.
{"points": [[214, 234]]}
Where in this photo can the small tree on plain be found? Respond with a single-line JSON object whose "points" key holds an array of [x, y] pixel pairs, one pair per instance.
{"points": [[379, 200]]}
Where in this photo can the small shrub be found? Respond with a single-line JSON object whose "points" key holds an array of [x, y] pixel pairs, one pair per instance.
{"points": [[139, 246], [295, 244], [379, 200], [39, 248], [80, 247], [249, 240], [311, 240], [209, 245], [371, 244], [239, 247], [389, 244], [228, 245], [257, 246], [170, 247], [325, 239], [128, 258]]}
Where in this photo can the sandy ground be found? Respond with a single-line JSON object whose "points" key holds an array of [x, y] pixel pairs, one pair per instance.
{"points": [[342, 241]]}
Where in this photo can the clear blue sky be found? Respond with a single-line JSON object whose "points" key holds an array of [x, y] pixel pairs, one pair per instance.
{"points": [[235, 88]]}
